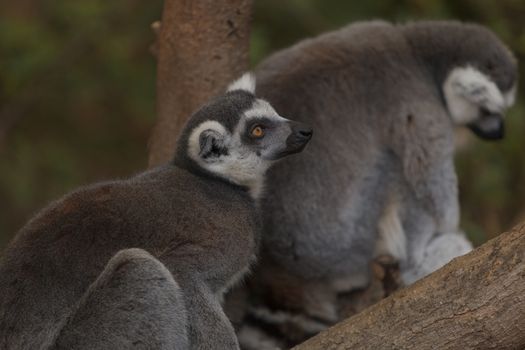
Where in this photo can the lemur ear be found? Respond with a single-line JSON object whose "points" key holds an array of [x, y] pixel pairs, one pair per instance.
{"points": [[212, 145], [246, 83]]}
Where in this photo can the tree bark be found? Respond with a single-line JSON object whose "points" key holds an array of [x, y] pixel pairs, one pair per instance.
{"points": [[477, 301], [202, 46]]}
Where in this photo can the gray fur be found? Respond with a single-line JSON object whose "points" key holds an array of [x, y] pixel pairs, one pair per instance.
{"points": [[69, 280], [134, 303], [373, 92]]}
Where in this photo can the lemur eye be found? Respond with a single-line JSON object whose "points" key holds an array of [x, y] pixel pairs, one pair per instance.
{"points": [[257, 132]]}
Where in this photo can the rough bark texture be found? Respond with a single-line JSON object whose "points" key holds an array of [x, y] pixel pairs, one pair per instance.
{"points": [[202, 46], [475, 302]]}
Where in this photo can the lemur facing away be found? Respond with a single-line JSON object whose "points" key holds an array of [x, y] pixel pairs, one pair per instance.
{"points": [[379, 177], [144, 261]]}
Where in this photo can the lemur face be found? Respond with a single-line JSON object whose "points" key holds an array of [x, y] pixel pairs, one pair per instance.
{"points": [[241, 147], [473, 99]]}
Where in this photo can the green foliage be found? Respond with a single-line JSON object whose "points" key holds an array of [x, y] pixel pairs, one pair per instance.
{"points": [[77, 95], [76, 98]]}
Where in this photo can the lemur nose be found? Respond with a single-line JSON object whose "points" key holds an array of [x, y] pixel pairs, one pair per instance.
{"points": [[302, 131], [298, 138], [306, 133]]}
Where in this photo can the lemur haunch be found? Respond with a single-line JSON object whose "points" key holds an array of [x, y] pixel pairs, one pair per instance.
{"points": [[384, 100], [144, 261]]}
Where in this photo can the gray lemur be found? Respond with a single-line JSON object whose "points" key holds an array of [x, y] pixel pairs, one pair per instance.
{"points": [[379, 177], [143, 262]]}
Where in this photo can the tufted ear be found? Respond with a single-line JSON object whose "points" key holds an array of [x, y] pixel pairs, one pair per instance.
{"points": [[211, 145], [246, 83]]}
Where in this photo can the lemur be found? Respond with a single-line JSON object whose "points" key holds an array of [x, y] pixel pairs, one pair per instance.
{"points": [[145, 261], [379, 177]]}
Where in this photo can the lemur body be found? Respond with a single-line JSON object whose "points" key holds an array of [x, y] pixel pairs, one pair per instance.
{"points": [[384, 100], [73, 278]]}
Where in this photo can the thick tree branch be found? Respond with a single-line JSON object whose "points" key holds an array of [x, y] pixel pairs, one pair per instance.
{"points": [[202, 46], [475, 302]]}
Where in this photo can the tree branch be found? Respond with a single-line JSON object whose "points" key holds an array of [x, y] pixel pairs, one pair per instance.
{"points": [[477, 301], [202, 46]]}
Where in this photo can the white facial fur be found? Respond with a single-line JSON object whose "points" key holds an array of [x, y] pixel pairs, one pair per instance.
{"points": [[262, 108], [467, 90], [241, 165]]}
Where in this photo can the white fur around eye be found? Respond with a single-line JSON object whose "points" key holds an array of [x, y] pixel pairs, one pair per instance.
{"points": [[261, 108], [467, 90]]}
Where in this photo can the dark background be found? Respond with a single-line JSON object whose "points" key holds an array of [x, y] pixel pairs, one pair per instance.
{"points": [[77, 95]]}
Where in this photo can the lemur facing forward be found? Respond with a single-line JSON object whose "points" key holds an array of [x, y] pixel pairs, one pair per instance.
{"points": [[379, 176], [144, 261]]}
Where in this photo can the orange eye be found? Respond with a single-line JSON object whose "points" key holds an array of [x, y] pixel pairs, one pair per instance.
{"points": [[257, 132]]}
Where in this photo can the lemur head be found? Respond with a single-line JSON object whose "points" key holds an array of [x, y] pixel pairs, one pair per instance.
{"points": [[480, 85], [237, 137]]}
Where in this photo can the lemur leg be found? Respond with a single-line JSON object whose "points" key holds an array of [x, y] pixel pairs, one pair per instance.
{"points": [[440, 250], [425, 144], [209, 328], [428, 248], [435, 237], [134, 303], [423, 140], [409, 233]]}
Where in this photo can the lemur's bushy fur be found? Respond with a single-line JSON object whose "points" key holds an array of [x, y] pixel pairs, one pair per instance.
{"points": [[384, 100], [144, 262]]}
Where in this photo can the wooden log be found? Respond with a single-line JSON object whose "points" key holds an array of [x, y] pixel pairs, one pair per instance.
{"points": [[477, 301]]}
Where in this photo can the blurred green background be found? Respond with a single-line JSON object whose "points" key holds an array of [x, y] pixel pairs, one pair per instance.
{"points": [[77, 93]]}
